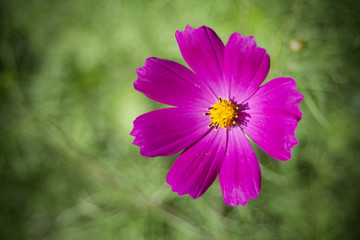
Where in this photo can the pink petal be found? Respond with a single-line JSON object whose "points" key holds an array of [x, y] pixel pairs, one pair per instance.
{"points": [[246, 66], [203, 51], [167, 131], [171, 83], [274, 114], [240, 175], [197, 167]]}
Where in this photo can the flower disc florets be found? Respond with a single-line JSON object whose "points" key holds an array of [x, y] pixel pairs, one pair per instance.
{"points": [[222, 113]]}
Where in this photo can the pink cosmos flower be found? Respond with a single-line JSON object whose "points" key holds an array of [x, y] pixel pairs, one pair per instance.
{"points": [[217, 107]]}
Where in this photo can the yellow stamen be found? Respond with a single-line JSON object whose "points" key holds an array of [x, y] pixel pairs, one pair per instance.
{"points": [[222, 113]]}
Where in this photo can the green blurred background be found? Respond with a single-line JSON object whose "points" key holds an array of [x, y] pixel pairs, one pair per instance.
{"points": [[68, 169]]}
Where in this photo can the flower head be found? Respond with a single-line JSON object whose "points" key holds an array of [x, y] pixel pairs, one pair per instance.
{"points": [[217, 107]]}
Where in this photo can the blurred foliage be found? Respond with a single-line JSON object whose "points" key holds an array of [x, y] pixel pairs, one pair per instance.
{"points": [[68, 169]]}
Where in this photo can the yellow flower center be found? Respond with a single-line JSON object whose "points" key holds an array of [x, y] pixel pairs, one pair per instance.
{"points": [[222, 113]]}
